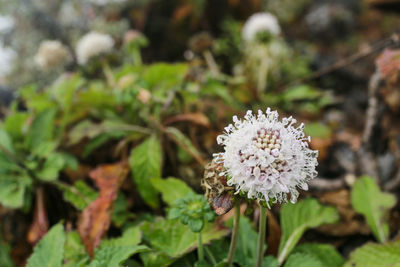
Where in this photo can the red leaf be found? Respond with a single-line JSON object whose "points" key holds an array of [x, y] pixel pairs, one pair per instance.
{"points": [[40, 224], [388, 62], [95, 219]]}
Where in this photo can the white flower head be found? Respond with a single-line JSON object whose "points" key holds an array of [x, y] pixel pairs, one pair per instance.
{"points": [[6, 24], [106, 2], [93, 44], [7, 60], [260, 22], [267, 158], [51, 54]]}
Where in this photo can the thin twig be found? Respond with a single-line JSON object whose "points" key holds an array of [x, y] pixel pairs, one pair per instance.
{"points": [[212, 65], [393, 184], [366, 156], [323, 184], [197, 157], [394, 39]]}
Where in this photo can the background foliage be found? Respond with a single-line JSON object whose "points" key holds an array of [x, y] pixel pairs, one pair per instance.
{"points": [[98, 162]]}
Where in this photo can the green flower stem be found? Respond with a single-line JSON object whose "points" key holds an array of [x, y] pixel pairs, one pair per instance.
{"points": [[136, 55], [200, 249], [109, 75], [261, 235], [235, 232], [210, 256]]}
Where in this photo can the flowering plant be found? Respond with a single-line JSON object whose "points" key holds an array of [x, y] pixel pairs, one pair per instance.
{"points": [[267, 158], [260, 23]]}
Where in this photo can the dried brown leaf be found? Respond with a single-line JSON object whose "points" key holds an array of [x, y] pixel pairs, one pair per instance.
{"points": [[40, 224], [350, 223], [196, 118], [95, 219]]}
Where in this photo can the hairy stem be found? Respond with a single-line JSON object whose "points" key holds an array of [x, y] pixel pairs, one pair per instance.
{"points": [[235, 232], [261, 235]]}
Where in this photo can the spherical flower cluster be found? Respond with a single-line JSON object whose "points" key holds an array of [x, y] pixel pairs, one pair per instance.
{"points": [[6, 24], [51, 54], [7, 60], [93, 44], [267, 158], [260, 22]]}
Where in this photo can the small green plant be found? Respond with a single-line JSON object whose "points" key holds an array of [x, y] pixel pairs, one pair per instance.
{"points": [[194, 211]]}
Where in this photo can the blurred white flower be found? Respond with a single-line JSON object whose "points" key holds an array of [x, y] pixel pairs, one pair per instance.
{"points": [[267, 158], [51, 54], [260, 22], [93, 44], [105, 2], [7, 60], [6, 23], [71, 14]]}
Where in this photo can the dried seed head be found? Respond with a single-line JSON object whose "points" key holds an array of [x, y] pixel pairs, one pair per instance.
{"points": [[218, 193]]}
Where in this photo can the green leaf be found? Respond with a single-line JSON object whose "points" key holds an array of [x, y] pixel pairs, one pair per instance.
{"points": [[164, 75], [196, 225], [90, 130], [50, 249], [270, 261], [80, 195], [317, 130], [217, 251], [113, 252], [202, 263], [131, 237], [145, 162], [301, 92], [41, 129], [175, 239], [113, 256], [5, 141], [303, 260], [319, 255], [97, 142], [375, 255], [75, 254], [297, 218], [6, 149], [12, 190], [246, 250], [51, 167], [221, 264], [120, 213], [5, 259], [156, 259], [171, 189], [15, 123], [184, 142], [368, 200]]}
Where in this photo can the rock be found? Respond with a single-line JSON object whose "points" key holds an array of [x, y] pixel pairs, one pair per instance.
{"points": [[387, 166]]}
